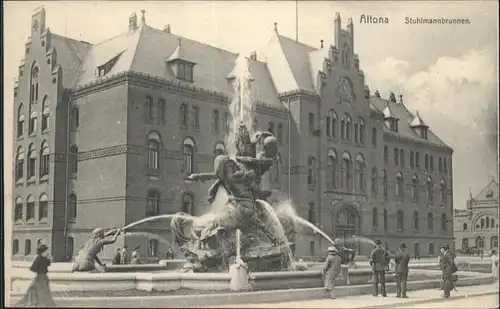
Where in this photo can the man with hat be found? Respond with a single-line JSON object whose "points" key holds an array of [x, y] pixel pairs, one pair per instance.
{"points": [[448, 267], [379, 263], [401, 258], [331, 270]]}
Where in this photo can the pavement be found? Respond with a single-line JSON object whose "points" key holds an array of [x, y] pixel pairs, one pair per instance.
{"points": [[487, 295]]}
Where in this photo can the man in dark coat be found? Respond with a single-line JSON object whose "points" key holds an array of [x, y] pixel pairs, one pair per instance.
{"points": [[448, 267], [331, 270], [402, 258], [379, 262], [117, 257]]}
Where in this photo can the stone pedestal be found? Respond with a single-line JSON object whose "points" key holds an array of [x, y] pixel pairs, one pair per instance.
{"points": [[239, 277]]}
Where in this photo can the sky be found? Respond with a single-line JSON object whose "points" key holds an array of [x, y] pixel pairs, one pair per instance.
{"points": [[446, 72]]}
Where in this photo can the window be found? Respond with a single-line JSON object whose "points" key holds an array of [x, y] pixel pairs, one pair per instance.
{"points": [[360, 173], [72, 207], [396, 156], [348, 124], [402, 157], [494, 242], [375, 218], [487, 222], [385, 185], [331, 124], [416, 222], [311, 248], [443, 223], [412, 159], [442, 190], [152, 247], [183, 115], [361, 131], [492, 223], [75, 118], [465, 243], [219, 149], [331, 174], [482, 223], [426, 161], [34, 84], [440, 165], [430, 222], [479, 242], [414, 188], [45, 114], [161, 107], [31, 161], [150, 108], [386, 223], [195, 110], [311, 213], [417, 160], [311, 123], [15, 246], [279, 134], [374, 137], [153, 203], [19, 163], [346, 171], [18, 210], [43, 207], [215, 121], [342, 129], [27, 247], [73, 159], [431, 249], [431, 163], [44, 159], [188, 150], [399, 186], [386, 154], [356, 133], [33, 123], [464, 227], [374, 181], [226, 122], [311, 173], [154, 146], [445, 166], [188, 203], [400, 221], [430, 195], [271, 127], [20, 121]]}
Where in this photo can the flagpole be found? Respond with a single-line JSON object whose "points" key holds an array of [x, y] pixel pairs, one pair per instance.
{"points": [[297, 20]]}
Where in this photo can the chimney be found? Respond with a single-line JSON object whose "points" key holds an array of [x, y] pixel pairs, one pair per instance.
{"points": [[132, 22], [253, 56], [166, 29], [321, 41], [143, 17]]}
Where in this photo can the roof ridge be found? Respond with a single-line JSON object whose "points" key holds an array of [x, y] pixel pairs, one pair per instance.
{"points": [[287, 60], [141, 29], [68, 38], [298, 42]]}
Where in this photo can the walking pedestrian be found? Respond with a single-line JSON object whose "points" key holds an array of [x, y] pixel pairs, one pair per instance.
{"points": [[38, 294], [379, 261], [448, 267], [402, 258], [117, 257], [494, 263], [331, 270]]}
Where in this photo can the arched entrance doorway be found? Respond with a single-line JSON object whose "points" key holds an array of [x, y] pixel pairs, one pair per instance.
{"points": [[347, 226]]}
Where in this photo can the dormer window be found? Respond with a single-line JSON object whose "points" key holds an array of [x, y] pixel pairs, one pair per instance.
{"points": [[181, 64], [104, 69], [419, 126], [390, 119]]}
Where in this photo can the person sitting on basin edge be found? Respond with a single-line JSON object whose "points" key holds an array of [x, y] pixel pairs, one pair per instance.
{"points": [[402, 258], [85, 261], [331, 270], [379, 263]]}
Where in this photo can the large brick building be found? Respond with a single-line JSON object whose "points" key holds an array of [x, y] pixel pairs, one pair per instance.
{"points": [[477, 225], [105, 133]]}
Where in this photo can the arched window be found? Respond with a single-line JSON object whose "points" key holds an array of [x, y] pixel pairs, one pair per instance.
{"points": [[348, 125], [311, 172], [396, 156], [27, 247], [75, 118], [18, 210], [342, 129], [416, 223], [34, 84], [183, 114], [332, 169], [374, 181], [346, 171], [430, 221], [150, 108], [33, 123], [219, 149], [385, 184], [360, 173], [153, 203], [188, 203], [15, 246], [494, 242], [311, 213], [45, 114], [361, 131], [188, 147], [399, 186], [386, 154], [430, 195], [44, 159], [440, 165], [417, 160], [356, 133], [414, 188], [374, 137], [442, 191], [215, 121], [19, 163], [464, 227], [465, 243], [154, 146], [331, 123], [31, 161], [487, 222], [375, 218], [492, 223], [43, 207], [195, 117], [402, 157], [444, 223], [386, 222], [482, 223], [479, 242], [30, 208], [72, 207], [431, 163], [20, 121], [400, 221], [73, 159]]}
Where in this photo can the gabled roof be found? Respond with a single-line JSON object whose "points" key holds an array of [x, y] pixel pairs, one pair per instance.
{"points": [[405, 117], [388, 113], [180, 53], [70, 56], [418, 122], [490, 192], [317, 59]]}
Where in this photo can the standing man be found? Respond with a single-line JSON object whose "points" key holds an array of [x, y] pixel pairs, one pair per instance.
{"points": [[331, 270], [494, 263], [402, 258], [448, 267], [125, 255], [379, 263], [117, 257]]}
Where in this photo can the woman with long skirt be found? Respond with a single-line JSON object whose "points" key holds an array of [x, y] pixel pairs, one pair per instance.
{"points": [[38, 294]]}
